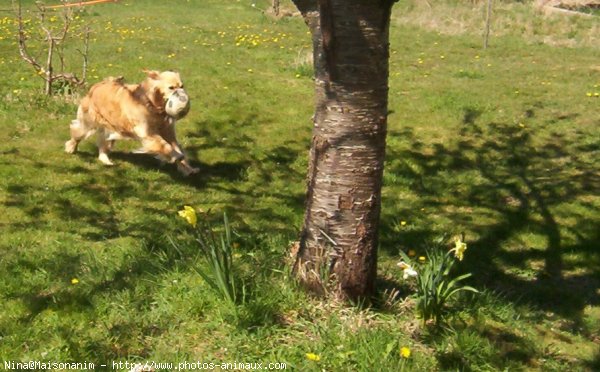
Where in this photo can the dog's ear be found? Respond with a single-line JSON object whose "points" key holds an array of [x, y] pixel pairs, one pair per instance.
{"points": [[158, 100], [152, 74]]}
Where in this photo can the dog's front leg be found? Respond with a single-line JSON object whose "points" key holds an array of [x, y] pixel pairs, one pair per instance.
{"points": [[183, 165], [155, 144]]}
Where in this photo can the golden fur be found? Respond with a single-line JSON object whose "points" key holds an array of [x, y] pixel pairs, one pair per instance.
{"points": [[116, 111]]}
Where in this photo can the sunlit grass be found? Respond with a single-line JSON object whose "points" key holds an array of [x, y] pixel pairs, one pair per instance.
{"points": [[500, 144]]}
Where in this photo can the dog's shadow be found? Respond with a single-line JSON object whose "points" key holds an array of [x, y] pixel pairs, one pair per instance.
{"points": [[223, 171]]}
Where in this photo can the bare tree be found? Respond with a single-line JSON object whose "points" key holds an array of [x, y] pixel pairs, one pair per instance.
{"points": [[339, 238], [54, 40]]}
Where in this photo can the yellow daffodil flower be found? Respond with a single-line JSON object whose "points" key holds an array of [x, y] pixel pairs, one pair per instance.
{"points": [[407, 270], [459, 249], [189, 214]]}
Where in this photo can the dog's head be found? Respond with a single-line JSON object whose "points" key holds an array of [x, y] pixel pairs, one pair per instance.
{"points": [[165, 91]]}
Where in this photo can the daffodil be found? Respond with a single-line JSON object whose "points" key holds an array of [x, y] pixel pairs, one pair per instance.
{"points": [[189, 214], [405, 352], [407, 270], [459, 249], [312, 356]]}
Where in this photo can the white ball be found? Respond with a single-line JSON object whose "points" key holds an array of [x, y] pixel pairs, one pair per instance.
{"points": [[178, 104]]}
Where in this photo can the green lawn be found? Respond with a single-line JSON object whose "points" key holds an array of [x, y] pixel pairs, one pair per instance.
{"points": [[501, 144]]}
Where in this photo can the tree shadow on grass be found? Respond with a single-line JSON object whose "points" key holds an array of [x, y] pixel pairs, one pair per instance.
{"points": [[526, 197]]}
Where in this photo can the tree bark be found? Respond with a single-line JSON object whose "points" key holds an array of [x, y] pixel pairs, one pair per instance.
{"points": [[339, 238]]}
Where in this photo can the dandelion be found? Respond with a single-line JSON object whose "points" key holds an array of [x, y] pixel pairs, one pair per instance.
{"points": [[422, 259], [407, 270], [74, 281], [402, 223], [313, 357], [405, 352], [189, 214], [589, 94], [459, 249]]}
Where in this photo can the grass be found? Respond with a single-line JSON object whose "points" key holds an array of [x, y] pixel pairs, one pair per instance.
{"points": [[500, 144]]}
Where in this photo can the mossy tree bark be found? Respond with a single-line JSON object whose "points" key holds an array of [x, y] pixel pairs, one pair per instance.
{"points": [[339, 238]]}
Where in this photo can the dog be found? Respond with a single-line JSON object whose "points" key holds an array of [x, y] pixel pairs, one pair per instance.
{"points": [[144, 111]]}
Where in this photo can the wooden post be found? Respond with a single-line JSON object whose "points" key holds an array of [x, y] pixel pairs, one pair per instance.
{"points": [[488, 19]]}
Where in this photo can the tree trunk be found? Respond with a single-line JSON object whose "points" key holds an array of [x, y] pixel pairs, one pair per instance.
{"points": [[339, 238]]}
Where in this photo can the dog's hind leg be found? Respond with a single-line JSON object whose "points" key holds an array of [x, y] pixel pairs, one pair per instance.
{"points": [[79, 131], [104, 146]]}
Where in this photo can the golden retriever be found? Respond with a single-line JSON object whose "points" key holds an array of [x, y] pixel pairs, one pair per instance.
{"points": [[138, 111]]}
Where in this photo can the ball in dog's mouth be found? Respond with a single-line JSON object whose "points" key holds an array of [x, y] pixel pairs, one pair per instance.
{"points": [[178, 104]]}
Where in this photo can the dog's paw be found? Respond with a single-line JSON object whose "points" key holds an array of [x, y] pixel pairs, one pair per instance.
{"points": [[104, 159], [141, 150], [70, 146], [186, 170]]}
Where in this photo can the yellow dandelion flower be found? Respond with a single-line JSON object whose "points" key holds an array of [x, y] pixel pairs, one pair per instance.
{"points": [[422, 259], [74, 281], [313, 357], [189, 214], [402, 223], [405, 352]]}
